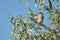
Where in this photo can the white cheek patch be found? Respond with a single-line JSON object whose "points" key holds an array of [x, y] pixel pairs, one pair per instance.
{"points": [[39, 20]]}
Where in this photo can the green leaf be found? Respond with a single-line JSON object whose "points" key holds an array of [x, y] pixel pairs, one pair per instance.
{"points": [[50, 4], [12, 19], [41, 2], [27, 2]]}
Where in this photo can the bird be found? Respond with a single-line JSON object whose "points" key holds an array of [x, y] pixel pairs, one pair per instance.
{"points": [[39, 20]]}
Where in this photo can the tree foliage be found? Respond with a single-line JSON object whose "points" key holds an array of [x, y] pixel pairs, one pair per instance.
{"points": [[22, 26]]}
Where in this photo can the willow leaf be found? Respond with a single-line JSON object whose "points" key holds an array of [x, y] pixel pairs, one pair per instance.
{"points": [[11, 20], [27, 2], [42, 2], [50, 4]]}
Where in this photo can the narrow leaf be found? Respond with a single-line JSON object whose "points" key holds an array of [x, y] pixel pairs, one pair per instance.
{"points": [[50, 4], [27, 2]]}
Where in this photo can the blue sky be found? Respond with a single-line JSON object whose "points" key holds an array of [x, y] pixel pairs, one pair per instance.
{"points": [[15, 8]]}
